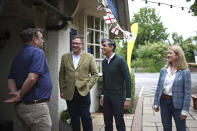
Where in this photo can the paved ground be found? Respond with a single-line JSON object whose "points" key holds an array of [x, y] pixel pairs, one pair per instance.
{"points": [[145, 87], [151, 121], [98, 122]]}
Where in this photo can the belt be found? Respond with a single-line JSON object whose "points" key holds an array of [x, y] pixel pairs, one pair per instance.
{"points": [[166, 96], [34, 101]]}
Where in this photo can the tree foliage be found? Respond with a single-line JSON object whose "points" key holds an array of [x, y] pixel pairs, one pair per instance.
{"points": [[193, 7], [150, 26], [177, 39], [151, 56]]}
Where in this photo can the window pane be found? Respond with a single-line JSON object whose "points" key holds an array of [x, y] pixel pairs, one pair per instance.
{"points": [[97, 37], [106, 36], [90, 22], [97, 52], [91, 49], [102, 24], [102, 36], [105, 27], [97, 23], [90, 36]]}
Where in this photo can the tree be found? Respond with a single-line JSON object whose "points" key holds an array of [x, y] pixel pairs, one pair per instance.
{"points": [[177, 39], [151, 29], [193, 7]]}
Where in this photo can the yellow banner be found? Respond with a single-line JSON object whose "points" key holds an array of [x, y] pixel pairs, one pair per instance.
{"points": [[130, 45]]}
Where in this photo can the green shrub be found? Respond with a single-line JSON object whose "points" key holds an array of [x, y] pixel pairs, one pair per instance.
{"points": [[151, 56], [131, 109]]}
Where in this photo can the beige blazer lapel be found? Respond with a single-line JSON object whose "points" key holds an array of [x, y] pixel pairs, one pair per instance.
{"points": [[70, 59]]}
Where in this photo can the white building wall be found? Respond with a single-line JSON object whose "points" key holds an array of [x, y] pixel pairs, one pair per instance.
{"points": [[58, 44]]}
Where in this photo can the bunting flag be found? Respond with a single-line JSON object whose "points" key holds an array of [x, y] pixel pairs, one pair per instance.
{"points": [[101, 5], [115, 30], [108, 12], [131, 42], [109, 19]]}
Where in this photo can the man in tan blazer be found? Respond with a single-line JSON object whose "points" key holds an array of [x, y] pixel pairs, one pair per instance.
{"points": [[78, 74]]}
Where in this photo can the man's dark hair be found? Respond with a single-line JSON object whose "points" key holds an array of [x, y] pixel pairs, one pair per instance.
{"points": [[27, 34], [80, 37], [111, 43]]}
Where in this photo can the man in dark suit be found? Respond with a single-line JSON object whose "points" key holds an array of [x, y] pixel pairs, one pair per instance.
{"points": [[116, 93], [78, 74]]}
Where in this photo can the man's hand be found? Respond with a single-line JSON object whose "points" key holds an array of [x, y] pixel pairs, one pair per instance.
{"points": [[62, 95], [156, 109], [15, 97], [183, 117], [101, 100], [127, 104]]}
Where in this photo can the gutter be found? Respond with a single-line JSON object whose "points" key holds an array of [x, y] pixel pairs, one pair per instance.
{"points": [[65, 17]]}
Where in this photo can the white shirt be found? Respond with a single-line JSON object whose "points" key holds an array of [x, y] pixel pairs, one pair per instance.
{"points": [[76, 59], [108, 60], [168, 83]]}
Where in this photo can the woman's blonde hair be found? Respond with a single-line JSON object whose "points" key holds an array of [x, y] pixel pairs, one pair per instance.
{"points": [[181, 62]]}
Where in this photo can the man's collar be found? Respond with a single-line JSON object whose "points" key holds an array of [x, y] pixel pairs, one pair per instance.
{"points": [[77, 55], [110, 57]]}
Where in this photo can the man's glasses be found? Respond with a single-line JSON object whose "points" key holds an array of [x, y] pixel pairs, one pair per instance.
{"points": [[76, 43]]}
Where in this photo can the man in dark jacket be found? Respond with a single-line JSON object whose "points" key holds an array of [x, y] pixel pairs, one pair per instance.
{"points": [[116, 93]]}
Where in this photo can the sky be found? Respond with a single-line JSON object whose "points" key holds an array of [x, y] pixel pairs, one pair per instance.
{"points": [[174, 19]]}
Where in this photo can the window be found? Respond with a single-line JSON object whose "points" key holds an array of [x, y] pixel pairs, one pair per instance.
{"points": [[96, 30]]}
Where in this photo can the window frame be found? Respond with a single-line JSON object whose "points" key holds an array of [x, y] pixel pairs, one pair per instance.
{"points": [[105, 33]]}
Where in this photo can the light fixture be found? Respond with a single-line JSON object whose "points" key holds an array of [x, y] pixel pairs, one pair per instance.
{"points": [[182, 8], [170, 6], [159, 4]]}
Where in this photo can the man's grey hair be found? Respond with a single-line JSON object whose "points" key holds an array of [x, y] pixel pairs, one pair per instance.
{"points": [[111, 43], [80, 37]]}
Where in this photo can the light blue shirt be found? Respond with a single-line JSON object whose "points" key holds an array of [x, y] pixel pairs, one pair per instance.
{"points": [[76, 59]]}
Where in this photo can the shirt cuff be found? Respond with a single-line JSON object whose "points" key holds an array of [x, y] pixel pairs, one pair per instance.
{"points": [[183, 112], [128, 99], [155, 106], [102, 95]]}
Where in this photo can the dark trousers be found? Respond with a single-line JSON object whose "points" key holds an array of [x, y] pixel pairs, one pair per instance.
{"points": [[79, 107], [113, 108], [167, 111]]}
